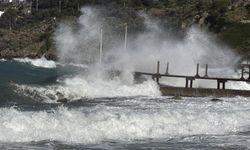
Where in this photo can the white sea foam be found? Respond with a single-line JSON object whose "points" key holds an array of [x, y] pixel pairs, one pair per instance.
{"points": [[91, 86], [2, 60], [1, 12], [40, 62], [100, 123]]}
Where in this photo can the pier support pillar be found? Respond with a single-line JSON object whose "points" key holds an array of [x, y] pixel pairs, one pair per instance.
{"points": [[157, 76], [223, 82], [189, 82], [186, 83], [157, 79]]}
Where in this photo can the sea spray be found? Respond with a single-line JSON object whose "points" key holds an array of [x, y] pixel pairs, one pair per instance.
{"points": [[145, 48], [89, 86], [80, 46]]}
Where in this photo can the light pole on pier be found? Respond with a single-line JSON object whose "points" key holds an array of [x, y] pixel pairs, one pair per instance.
{"points": [[101, 47], [126, 36]]}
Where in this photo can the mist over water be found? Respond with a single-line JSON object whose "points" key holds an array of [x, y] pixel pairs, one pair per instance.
{"points": [[81, 44], [149, 46]]}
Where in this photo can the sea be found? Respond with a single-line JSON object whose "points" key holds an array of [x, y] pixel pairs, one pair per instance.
{"points": [[49, 105]]}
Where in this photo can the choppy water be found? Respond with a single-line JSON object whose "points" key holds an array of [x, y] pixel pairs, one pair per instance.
{"points": [[109, 113]]}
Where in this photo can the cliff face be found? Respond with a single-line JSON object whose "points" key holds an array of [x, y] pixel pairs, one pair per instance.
{"points": [[33, 41], [24, 34]]}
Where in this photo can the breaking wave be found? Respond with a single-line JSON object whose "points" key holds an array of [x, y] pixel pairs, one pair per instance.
{"points": [[81, 87], [100, 123], [40, 62]]}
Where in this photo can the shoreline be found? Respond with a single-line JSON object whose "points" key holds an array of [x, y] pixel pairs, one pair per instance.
{"points": [[17, 54]]}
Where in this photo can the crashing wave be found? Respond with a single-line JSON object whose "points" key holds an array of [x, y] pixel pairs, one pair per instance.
{"points": [[79, 87], [101, 123], [40, 62]]}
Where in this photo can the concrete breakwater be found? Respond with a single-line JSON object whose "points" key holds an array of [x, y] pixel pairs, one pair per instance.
{"points": [[201, 92]]}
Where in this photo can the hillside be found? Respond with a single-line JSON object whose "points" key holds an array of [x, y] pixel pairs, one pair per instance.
{"points": [[27, 30]]}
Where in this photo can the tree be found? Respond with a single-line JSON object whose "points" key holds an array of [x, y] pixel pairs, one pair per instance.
{"points": [[8, 19]]}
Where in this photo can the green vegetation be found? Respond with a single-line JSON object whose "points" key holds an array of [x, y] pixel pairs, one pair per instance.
{"points": [[27, 29], [238, 36]]}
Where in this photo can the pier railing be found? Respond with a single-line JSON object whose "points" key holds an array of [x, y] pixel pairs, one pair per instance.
{"points": [[221, 82]]}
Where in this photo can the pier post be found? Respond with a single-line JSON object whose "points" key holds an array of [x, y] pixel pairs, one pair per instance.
{"points": [[186, 83], [197, 71], [158, 67], [223, 85], [157, 79], [223, 82], [218, 84], [158, 72], [167, 68], [191, 83], [206, 71]]}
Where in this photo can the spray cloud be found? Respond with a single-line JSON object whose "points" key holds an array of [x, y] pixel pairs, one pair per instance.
{"points": [[144, 49], [79, 44]]}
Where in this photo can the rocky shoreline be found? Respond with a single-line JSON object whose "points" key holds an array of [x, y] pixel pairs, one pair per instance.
{"points": [[9, 54]]}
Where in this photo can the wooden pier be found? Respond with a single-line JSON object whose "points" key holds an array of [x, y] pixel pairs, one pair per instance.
{"points": [[189, 90]]}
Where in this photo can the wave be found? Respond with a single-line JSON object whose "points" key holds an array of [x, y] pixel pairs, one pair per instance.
{"points": [[40, 62], [80, 87], [2, 60], [90, 125]]}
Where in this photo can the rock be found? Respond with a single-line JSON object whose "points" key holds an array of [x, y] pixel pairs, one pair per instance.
{"points": [[177, 97], [216, 100], [157, 12], [51, 56], [64, 100], [59, 95]]}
